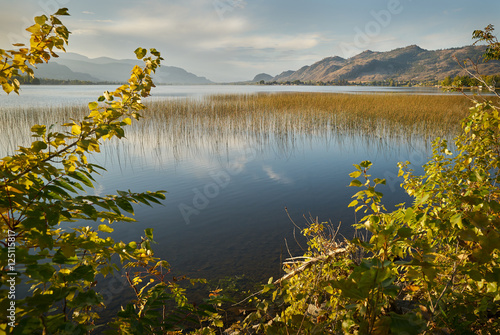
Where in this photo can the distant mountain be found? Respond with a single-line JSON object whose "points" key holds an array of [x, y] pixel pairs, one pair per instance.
{"points": [[176, 75], [283, 75], [53, 70], [409, 63], [70, 66], [262, 76]]}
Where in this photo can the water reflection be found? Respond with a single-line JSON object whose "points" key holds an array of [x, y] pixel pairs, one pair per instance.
{"points": [[230, 176], [225, 207]]}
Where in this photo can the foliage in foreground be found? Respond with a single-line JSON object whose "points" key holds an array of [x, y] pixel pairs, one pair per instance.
{"points": [[430, 267], [41, 188]]}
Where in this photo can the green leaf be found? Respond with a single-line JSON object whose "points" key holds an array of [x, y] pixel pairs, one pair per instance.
{"points": [[85, 299], [90, 211], [329, 289], [491, 287], [38, 129], [422, 199], [38, 146], [81, 177], [356, 183], [409, 215], [68, 250], [62, 11], [42, 272], [125, 205], [355, 174], [456, 220], [41, 19], [62, 183], [151, 198], [149, 233], [140, 53], [113, 207], [85, 272], [57, 192], [365, 164], [405, 232]]}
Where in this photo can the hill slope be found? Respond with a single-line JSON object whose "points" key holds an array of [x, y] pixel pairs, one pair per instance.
{"points": [[409, 63]]}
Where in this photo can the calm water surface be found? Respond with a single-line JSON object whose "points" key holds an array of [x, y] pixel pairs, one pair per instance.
{"points": [[62, 95], [224, 214]]}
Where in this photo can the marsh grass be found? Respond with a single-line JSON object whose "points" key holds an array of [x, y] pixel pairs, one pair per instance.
{"points": [[15, 123], [283, 119], [215, 122]]}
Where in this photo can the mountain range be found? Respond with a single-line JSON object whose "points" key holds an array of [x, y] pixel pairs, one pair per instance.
{"points": [[403, 64], [72, 66]]}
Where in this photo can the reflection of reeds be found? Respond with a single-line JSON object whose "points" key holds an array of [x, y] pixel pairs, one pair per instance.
{"points": [[281, 117], [182, 124], [15, 124]]}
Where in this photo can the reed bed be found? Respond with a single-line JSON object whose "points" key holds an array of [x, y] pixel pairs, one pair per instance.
{"points": [[214, 122], [284, 118], [15, 124]]}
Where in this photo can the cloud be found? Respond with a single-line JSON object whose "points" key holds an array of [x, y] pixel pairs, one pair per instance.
{"points": [[98, 21], [84, 32], [452, 11], [178, 28], [98, 189], [263, 42], [193, 19], [226, 40], [280, 178]]}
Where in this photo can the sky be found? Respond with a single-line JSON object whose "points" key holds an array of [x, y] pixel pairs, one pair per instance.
{"points": [[234, 40]]}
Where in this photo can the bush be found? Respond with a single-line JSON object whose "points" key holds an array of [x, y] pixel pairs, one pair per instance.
{"points": [[40, 189], [429, 267]]}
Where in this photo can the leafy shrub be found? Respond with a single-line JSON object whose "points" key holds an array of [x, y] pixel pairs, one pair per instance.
{"points": [[40, 189], [429, 267]]}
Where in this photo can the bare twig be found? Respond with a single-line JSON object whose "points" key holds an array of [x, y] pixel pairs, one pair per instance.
{"points": [[302, 268], [475, 73]]}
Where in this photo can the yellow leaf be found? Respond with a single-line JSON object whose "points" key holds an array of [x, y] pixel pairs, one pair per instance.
{"points": [[93, 105], [413, 288], [70, 296], [12, 190], [65, 271], [7, 87], [76, 129], [34, 29]]}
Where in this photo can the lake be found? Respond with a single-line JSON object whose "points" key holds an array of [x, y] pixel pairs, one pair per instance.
{"points": [[230, 204], [62, 95]]}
